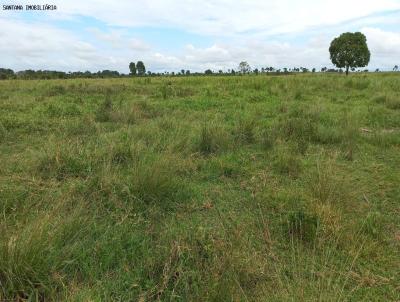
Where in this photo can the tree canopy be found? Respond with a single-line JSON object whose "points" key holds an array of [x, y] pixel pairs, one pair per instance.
{"points": [[244, 67], [132, 68], [350, 50], [141, 69]]}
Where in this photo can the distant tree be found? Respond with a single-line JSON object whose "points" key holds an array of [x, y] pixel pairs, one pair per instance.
{"points": [[377, 70], [324, 69], [187, 72], [285, 70], [256, 71], [141, 69], [132, 68], [6, 74], [350, 50], [208, 71], [396, 68], [314, 70], [244, 67], [183, 71]]}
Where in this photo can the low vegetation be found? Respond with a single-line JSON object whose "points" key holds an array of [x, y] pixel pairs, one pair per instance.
{"points": [[239, 188]]}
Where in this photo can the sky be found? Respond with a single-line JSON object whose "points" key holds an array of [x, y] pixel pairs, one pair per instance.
{"points": [[170, 35]]}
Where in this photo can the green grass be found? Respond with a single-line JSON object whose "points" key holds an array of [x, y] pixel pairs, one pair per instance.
{"points": [[247, 188]]}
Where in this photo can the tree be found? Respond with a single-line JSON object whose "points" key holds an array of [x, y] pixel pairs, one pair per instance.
{"points": [[141, 69], [132, 68], [396, 68], [208, 71], [244, 67], [350, 50], [6, 74]]}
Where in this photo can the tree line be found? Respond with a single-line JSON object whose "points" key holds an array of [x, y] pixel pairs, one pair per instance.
{"points": [[347, 52], [6, 74]]}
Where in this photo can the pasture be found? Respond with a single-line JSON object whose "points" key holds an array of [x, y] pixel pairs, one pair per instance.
{"points": [[220, 188]]}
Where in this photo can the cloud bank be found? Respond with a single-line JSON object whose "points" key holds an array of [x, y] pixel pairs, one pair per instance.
{"points": [[104, 34]]}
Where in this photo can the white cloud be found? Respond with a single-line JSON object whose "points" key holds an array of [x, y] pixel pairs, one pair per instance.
{"points": [[227, 17], [251, 30], [384, 46], [39, 46]]}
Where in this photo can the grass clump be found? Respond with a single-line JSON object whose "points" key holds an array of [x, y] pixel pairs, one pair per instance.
{"points": [[104, 113], [350, 138], [287, 164], [302, 226], [245, 131], [372, 224], [155, 182], [268, 138], [3, 133], [323, 183], [390, 101], [64, 161], [212, 139]]}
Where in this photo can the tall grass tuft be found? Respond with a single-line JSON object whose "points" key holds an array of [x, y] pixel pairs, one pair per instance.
{"points": [[3, 133], [212, 139], [245, 131]]}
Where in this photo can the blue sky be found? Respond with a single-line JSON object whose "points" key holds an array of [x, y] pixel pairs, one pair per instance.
{"points": [[170, 35]]}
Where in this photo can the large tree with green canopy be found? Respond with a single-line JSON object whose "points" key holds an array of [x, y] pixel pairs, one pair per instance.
{"points": [[350, 50]]}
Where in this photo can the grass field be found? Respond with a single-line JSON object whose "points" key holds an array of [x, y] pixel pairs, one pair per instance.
{"points": [[245, 188]]}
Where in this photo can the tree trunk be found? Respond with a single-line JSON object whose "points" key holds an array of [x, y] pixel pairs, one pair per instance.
{"points": [[347, 70]]}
